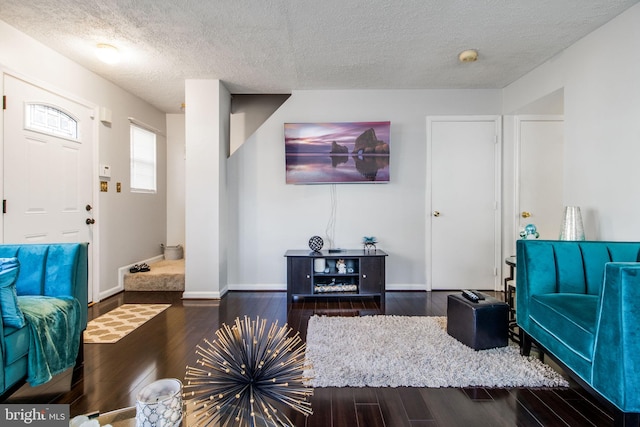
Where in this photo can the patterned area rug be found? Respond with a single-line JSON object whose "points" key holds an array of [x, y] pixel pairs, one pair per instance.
{"points": [[117, 323], [412, 351]]}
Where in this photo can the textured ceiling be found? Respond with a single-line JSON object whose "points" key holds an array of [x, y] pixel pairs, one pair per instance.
{"points": [[276, 46]]}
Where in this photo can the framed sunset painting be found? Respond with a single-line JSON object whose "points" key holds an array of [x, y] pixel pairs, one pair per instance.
{"points": [[329, 153]]}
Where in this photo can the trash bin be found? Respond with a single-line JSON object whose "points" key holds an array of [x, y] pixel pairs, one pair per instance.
{"points": [[173, 252]]}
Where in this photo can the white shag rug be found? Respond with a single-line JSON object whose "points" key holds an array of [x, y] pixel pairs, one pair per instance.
{"points": [[407, 351]]}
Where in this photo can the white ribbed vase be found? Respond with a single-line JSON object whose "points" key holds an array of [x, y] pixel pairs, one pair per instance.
{"points": [[572, 228]]}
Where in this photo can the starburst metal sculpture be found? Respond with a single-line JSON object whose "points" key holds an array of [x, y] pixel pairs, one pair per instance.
{"points": [[244, 374]]}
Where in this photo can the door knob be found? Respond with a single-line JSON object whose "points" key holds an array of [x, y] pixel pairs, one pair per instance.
{"points": [[525, 214], [436, 213], [90, 221], [88, 208]]}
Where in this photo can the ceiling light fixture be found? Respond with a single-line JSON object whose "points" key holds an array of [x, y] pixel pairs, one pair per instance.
{"points": [[470, 55], [107, 53]]}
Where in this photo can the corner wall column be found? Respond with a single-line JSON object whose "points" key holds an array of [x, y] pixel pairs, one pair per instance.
{"points": [[207, 141]]}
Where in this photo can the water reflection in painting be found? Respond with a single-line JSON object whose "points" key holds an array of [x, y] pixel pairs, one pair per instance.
{"points": [[337, 152]]}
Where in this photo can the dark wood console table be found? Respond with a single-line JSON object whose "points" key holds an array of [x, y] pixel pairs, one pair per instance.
{"points": [[509, 296], [316, 274]]}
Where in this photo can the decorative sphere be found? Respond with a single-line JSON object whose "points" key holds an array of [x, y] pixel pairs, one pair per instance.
{"points": [[529, 232], [315, 243]]}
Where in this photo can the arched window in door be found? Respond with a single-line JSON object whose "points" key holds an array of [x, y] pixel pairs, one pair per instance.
{"points": [[50, 120]]}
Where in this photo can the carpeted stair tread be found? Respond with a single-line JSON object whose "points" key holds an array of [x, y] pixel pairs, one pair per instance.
{"points": [[165, 275]]}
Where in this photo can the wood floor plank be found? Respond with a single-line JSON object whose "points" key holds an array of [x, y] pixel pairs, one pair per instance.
{"points": [[535, 406], [477, 393], [562, 408], [414, 405], [507, 408], [343, 407], [369, 415], [452, 407], [322, 409], [392, 408], [365, 395], [586, 406], [422, 423], [345, 304]]}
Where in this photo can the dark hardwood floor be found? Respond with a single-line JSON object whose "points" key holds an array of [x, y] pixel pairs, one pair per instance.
{"points": [[164, 346]]}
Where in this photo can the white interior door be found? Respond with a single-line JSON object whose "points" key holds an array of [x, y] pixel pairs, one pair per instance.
{"points": [[463, 224], [539, 171], [48, 148]]}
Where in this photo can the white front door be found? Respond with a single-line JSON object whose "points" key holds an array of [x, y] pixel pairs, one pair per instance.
{"points": [[539, 153], [463, 186], [48, 148]]}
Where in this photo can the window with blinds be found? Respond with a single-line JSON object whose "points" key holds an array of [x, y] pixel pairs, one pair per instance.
{"points": [[143, 160]]}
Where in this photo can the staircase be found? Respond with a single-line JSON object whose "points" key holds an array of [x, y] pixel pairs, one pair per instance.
{"points": [[166, 275]]}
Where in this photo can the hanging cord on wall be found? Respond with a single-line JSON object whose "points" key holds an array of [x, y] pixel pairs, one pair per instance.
{"points": [[330, 231]]}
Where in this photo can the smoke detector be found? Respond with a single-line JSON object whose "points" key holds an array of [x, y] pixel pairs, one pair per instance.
{"points": [[470, 55]]}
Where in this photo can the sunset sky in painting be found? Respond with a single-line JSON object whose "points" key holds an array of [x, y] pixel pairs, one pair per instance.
{"points": [[317, 137]]}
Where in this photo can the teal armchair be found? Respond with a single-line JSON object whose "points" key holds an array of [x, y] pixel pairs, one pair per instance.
{"points": [[580, 303]]}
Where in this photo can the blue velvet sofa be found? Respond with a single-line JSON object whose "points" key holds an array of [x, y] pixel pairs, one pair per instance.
{"points": [[580, 302], [43, 300]]}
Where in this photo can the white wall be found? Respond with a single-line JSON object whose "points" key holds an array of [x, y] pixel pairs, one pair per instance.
{"points": [[248, 112], [267, 216], [130, 226], [175, 179], [599, 74], [207, 147]]}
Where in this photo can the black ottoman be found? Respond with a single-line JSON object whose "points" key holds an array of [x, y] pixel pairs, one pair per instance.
{"points": [[480, 325]]}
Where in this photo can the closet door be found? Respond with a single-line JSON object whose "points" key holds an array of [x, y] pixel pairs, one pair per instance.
{"points": [[539, 174], [463, 222]]}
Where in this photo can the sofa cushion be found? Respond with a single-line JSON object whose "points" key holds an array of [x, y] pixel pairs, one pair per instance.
{"points": [[11, 314], [624, 252], [571, 318], [60, 270], [33, 261], [594, 257], [570, 277]]}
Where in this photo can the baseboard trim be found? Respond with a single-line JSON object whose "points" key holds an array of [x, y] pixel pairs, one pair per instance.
{"points": [[109, 292], [204, 295], [258, 287], [406, 287]]}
